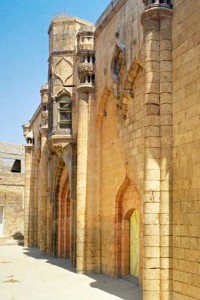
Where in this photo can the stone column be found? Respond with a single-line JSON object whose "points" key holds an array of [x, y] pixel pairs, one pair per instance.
{"points": [[93, 230], [73, 197], [151, 280], [43, 192], [155, 159], [86, 153], [27, 196], [82, 157], [166, 132]]}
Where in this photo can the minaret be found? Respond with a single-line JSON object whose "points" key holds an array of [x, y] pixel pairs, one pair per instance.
{"points": [[156, 20], [85, 141]]}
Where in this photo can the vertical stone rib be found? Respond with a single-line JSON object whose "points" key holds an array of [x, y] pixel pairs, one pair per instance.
{"points": [[27, 197], [43, 193], [93, 237], [82, 153], [73, 197]]}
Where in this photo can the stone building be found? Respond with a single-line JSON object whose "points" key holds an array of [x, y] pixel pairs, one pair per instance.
{"points": [[11, 189], [112, 157]]}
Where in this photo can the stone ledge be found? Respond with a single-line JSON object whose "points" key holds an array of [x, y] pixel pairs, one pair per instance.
{"points": [[108, 14]]}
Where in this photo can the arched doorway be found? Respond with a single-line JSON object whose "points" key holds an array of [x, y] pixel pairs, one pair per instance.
{"points": [[127, 231]]}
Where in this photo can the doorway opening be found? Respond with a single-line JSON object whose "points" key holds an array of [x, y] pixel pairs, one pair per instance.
{"points": [[128, 246]]}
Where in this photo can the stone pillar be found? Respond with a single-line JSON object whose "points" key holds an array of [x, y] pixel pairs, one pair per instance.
{"points": [[82, 158], [93, 210], [151, 280], [27, 196], [43, 192], [73, 197], [86, 153], [166, 132], [156, 222]]}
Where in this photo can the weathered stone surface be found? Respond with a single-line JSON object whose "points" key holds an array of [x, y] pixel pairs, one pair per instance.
{"points": [[137, 132], [12, 188]]}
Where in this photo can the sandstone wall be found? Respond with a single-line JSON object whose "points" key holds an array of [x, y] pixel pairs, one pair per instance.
{"points": [[120, 131], [12, 188], [186, 158]]}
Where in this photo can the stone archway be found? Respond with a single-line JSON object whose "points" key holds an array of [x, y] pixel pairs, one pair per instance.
{"points": [[61, 239], [127, 231]]}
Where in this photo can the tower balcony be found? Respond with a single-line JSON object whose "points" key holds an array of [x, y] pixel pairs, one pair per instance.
{"points": [[86, 69], [158, 3], [85, 49]]}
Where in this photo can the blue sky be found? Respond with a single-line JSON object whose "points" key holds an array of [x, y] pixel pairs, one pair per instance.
{"points": [[24, 54]]}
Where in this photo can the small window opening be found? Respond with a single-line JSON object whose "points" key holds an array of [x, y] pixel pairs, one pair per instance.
{"points": [[16, 168], [65, 115]]}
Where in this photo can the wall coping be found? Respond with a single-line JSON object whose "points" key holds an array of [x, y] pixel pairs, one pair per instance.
{"points": [[108, 14]]}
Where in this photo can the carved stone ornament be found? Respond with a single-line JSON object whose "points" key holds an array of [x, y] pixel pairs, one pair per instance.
{"points": [[61, 93], [44, 116], [63, 70], [123, 86], [85, 48], [118, 60], [56, 148]]}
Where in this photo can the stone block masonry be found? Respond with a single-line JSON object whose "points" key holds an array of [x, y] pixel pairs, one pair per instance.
{"points": [[11, 189]]}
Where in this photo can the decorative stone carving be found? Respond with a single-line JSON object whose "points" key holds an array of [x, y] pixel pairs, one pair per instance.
{"points": [[118, 58], [56, 148], [123, 81], [86, 68], [85, 48], [25, 129], [63, 70], [30, 138], [44, 116]]}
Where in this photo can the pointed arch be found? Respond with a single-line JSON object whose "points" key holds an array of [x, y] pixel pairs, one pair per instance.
{"points": [[61, 227], [102, 105], [127, 202]]}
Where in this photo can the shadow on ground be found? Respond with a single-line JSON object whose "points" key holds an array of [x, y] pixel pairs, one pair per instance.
{"points": [[121, 288], [59, 262], [118, 287]]}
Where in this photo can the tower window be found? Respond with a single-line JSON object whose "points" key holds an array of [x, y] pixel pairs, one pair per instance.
{"points": [[65, 112]]}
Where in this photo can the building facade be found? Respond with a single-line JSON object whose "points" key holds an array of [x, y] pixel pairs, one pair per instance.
{"points": [[112, 154], [11, 190]]}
